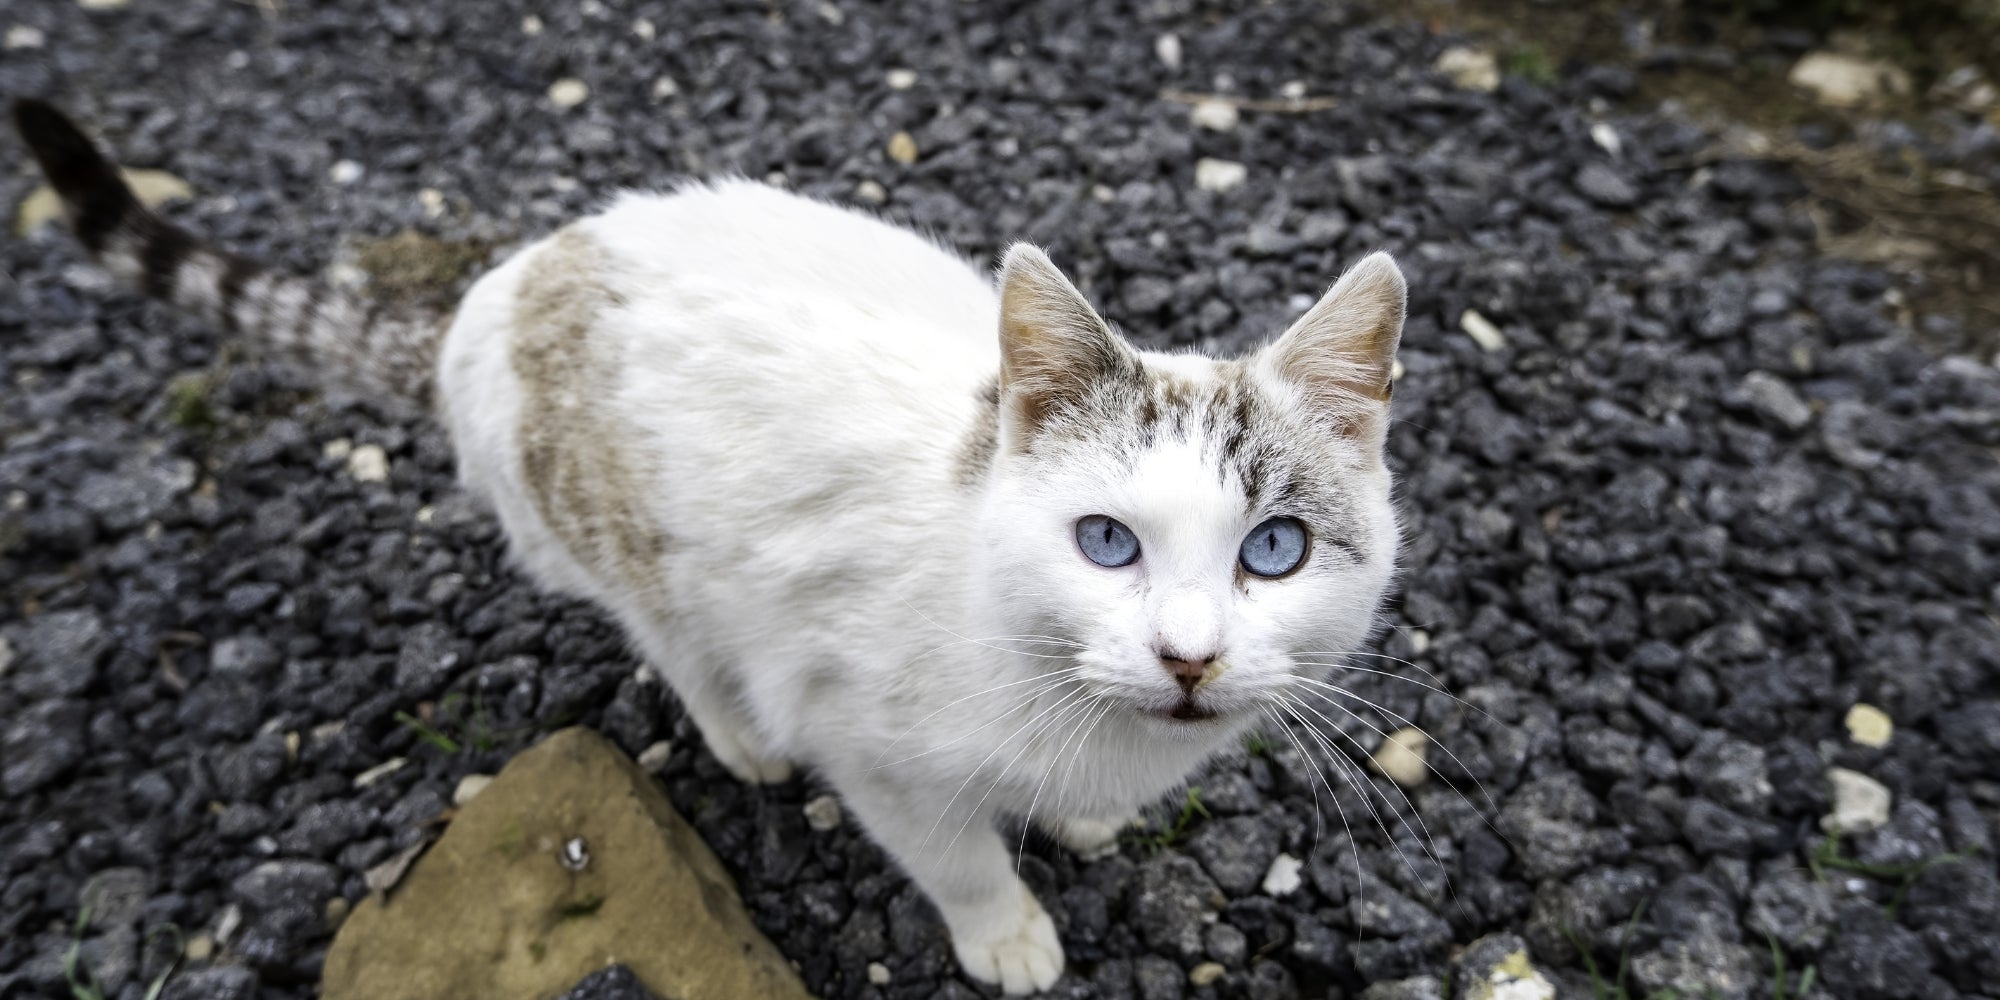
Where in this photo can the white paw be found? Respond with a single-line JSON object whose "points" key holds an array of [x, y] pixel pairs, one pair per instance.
{"points": [[1089, 839], [1023, 956], [747, 761]]}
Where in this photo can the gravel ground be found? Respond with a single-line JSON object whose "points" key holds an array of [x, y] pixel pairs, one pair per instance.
{"points": [[1705, 497]]}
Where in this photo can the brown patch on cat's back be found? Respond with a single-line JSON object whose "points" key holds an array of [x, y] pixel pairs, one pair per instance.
{"points": [[581, 466]]}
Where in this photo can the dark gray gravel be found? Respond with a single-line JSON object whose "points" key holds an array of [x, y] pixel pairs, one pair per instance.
{"points": [[1706, 497]]}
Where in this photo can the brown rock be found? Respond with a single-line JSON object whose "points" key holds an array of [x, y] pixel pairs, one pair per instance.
{"points": [[499, 909]]}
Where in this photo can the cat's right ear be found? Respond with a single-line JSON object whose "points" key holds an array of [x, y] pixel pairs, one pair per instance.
{"points": [[1053, 346]]}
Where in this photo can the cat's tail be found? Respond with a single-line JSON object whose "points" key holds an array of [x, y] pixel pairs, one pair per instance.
{"points": [[365, 345]]}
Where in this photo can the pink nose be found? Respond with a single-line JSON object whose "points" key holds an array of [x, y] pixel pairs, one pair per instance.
{"points": [[1185, 670]]}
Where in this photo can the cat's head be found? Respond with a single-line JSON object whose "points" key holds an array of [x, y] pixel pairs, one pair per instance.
{"points": [[1201, 533]]}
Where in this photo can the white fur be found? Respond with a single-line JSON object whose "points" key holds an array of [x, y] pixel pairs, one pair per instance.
{"points": [[802, 378]]}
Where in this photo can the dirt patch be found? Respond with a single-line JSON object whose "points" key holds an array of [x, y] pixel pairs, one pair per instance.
{"points": [[1727, 65]]}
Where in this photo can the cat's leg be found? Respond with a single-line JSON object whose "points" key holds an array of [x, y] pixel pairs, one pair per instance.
{"points": [[999, 930], [715, 705]]}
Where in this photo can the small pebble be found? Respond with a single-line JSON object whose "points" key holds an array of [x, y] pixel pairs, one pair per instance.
{"points": [[368, 464], [1473, 69], [468, 787], [102, 4], [1869, 726], [665, 87], [654, 758], [6, 655], [378, 772], [531, 26], [568, 92], [823, 813], [338, 449], [1205, 973], [1283, 877], [1860, 803], [25, 36], [644, 29], [200, 948], [1607, 139], [432, 201], [1482, 330], [1213, 114], [345, 172], [1218, 175], [878, 973], [903, 148], [901, 79], [1403, 757], [1168, 48], [871, 192]]}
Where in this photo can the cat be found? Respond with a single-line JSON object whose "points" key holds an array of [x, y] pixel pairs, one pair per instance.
{"points": [[946, 538]]}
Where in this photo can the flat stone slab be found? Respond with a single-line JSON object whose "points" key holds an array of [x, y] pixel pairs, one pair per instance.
{"points": [[572, 860]]}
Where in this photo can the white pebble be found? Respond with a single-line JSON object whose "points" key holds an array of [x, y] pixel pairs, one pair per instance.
{"points": [[823, 813], [1607, 139], [1860, 803], [368, 464], [1168, 48], [531, 26], [378, 772], [1869, 726], [644, 29], [338, 448], [654, 758], [6, 655], [1218, 175], [1481, 330], [469, 786], [102, 4], [25, 36], [901, 79], [665, 87], [568, 92], [1470, 68], [871, 192], [1404, 757], [878, 973], [432, 201], [1294, 90], [1283, 878], [1214, 114], [1205, 973], [831, 14], [226, 925], [345, 172]]}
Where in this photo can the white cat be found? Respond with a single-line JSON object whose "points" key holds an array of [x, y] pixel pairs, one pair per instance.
{"points": [[959, 548]]}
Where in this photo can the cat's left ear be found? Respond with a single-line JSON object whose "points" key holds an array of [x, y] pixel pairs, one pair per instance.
{"points": [[1341, 351], [1054, 348]]}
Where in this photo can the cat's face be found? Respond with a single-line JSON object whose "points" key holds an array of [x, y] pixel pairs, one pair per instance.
{"points": [[1202, 533]]}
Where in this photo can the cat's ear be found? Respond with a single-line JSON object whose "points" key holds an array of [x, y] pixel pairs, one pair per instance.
{"points": [[1054, 348], [1340, 353]]}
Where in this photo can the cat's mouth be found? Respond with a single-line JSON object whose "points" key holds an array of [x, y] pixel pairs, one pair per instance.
{"points": [[1187, 711]]}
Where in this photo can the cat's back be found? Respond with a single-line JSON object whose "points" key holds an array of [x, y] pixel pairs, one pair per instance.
{"points": [[782, 248], [668, 359]]}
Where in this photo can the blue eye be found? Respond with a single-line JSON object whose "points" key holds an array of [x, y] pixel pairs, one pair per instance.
{"points": [[1106, 542], [1275, 547]]}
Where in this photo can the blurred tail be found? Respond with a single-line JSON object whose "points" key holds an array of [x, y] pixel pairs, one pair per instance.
{"points": [[364, 344]]}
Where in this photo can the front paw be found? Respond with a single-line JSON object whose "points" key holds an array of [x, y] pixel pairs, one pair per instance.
{"points": [[1019, 951], [1089, 839], [746, 760]]}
